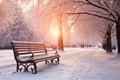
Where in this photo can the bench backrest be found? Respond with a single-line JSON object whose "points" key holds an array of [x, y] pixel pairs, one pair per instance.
{"points": [[22, 48]]}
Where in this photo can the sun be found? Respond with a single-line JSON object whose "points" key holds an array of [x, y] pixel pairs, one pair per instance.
{"points": [[54, 29], [55, 32]]}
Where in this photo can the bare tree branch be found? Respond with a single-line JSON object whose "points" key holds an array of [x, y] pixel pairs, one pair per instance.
{"points": [[98, 4], [100, 16], [92, 4], [106, 4], [73, 22]]}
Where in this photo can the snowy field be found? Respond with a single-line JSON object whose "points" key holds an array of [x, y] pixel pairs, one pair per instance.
{"points": [[75, 64]]}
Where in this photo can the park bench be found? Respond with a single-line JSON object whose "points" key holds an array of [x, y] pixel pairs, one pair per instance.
{"points": [[28, 54]]}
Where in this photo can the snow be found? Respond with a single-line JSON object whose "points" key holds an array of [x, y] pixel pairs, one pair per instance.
{"points": [[75, 64]]}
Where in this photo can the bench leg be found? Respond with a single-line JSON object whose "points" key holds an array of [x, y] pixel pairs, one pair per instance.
{"points": [[17, 67], [55, 60], [20, 67], [34, 70], [58, 60], [26, 67], [52, 60], [46, 61], [31, 67]]}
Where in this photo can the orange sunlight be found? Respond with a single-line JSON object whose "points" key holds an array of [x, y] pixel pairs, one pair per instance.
{"points": [[54, 28], [54, 31]]}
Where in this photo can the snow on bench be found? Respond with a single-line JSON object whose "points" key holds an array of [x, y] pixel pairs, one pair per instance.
{"points": [[28, 54]]}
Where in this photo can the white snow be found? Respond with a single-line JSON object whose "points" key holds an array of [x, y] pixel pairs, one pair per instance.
{"points": [[75, 64]]}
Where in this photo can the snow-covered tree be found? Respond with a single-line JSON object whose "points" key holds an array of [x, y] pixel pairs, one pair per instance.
{"points": [[106, 9], [107, 32], [15, 28]]}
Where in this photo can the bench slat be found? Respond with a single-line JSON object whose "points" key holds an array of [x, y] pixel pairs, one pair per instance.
{"points": [[32, 52]]}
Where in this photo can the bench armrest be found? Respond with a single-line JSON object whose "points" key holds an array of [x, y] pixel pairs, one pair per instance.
{"points": [[55, 51], [25, 56], [32, 56]]}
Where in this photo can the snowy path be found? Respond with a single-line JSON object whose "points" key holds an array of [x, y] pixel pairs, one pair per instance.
{"points": [[75, 64]]}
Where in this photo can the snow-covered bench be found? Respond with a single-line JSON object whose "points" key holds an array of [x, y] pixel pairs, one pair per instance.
{"points": [[28, 54]]}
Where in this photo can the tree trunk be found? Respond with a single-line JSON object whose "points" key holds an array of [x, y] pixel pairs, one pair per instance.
{"points": [[60, 37], [118, 35], [109, 43], [60, 40]]}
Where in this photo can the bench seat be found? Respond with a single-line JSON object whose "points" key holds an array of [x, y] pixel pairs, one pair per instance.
{"points": [[28, 54]]}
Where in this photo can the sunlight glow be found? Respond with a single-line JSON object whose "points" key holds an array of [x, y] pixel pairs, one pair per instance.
{"points": [[54, 32]]}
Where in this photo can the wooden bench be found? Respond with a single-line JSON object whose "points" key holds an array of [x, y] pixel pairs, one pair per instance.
{"points": [[28, 54]]}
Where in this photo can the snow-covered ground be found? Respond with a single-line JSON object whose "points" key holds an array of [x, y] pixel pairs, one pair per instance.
{"points": [[75, 64]]}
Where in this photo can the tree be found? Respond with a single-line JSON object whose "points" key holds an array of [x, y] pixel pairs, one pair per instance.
{"points": [[45, 13], [106, 9], [15, 28], [107, 33], [5, 14]]}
